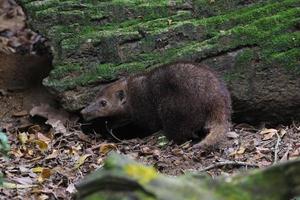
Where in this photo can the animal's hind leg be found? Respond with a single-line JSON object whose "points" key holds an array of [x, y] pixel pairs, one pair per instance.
{"points": [[178, 131], [215, 136]]}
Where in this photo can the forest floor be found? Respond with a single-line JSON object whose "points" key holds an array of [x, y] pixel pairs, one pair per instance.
{"points": [[47, 160], [50, 153]]}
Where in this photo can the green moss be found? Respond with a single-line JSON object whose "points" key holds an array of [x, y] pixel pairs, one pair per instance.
{"points": [[289, 59], [123, 35]]}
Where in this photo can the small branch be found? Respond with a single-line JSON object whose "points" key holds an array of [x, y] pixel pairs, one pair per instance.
{"points": [[276, 148], [111, 133], [234, 163], [294, 125], [285, 155]]}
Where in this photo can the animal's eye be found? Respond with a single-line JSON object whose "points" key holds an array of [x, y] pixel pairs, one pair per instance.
{"points": [[121, 94], [103, 103]]}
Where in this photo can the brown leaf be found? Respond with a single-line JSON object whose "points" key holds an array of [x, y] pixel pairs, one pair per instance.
{"points": [[177, 152], [34, 129], [83, 137], [146, 151], [20, 113], [241, 150], [44, 174], [105, 148], [57, 118], [17, 153], [57, 126], [43, 146], [268, 133], [42, 137], [295, 154]]}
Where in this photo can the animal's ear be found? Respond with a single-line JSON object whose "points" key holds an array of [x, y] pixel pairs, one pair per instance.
{"points": [[121, 96]]}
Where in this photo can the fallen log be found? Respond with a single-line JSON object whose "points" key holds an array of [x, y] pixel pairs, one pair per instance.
{"points": [[122, 178]]}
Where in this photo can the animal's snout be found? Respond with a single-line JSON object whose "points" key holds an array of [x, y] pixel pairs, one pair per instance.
{"points": [[86, 114]]}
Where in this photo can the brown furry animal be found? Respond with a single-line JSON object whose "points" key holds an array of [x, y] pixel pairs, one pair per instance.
{"points": [[183, 99]]}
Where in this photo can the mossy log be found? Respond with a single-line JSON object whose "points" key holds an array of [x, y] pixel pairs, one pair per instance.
{"points": [[254, 45], [124, 179]]}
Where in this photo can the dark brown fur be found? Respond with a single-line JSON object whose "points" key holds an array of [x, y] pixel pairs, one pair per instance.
{"points": [[181, 98]]}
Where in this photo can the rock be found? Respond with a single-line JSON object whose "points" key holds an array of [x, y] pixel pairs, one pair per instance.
{"points": [[254, 45]]}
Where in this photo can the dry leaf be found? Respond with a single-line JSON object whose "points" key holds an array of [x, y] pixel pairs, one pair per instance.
{"points": [[57, 126], [20, 114], [146, 151], [83, 137], [241, 150], [282, 132], [71, 189], [177, 152], [37, 169], [232, 135], [56, 117], [105, 148], [34, 129], [268, 136], [99, 161], [42, 137], [44, 174], [24, 180], [268, 133], [81, 160], [54, 154], [16, 186], [43, 146], [17, 153], [23, 138], [285, 156], [42, 197], [295, 154], [156, 152]]}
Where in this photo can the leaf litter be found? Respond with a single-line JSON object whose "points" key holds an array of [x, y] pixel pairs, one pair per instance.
{"points": [[45, 163], [47, 159]]}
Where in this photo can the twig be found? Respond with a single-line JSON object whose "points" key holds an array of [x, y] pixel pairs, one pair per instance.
{"points": [[295, 126], [285, 155], [111, 133], [187, 142], [276, 148], [235, 163]]}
